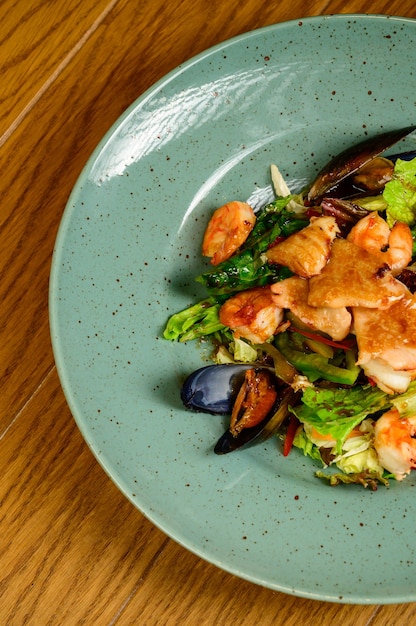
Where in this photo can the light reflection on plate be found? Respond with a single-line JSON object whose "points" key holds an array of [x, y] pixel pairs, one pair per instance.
{"points": [[126, 255]]}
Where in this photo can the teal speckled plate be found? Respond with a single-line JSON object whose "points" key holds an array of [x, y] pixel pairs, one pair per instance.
{"points": [[126, 256]]}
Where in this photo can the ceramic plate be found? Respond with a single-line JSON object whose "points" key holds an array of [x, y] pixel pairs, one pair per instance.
{"points": [[126, 256]]}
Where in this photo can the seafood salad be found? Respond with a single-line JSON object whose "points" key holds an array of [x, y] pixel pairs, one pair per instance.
{"points": [[311, 310]]}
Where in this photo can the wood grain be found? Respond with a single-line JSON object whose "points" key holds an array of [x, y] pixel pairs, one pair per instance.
{"points": [[37, 39], [73, 550]]}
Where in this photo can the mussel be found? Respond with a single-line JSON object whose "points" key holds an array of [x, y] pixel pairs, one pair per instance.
{"points": [[349, 161], [256, 400]]}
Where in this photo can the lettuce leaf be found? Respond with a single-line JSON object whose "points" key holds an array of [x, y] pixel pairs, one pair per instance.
{"points": [[308, 448], [337, 411], [405, 403], [359, 455], [400, 193], [243, 351], [366, 479], [196, 321], [358, 462]]}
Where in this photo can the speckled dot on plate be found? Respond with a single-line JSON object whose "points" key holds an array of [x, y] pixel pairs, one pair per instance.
{"points": [[126, 256]]}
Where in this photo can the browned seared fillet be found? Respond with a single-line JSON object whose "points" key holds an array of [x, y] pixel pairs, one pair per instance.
{"points": [[306, 252], [292, 294], [387, 343], [389, 334], [355, 277]]}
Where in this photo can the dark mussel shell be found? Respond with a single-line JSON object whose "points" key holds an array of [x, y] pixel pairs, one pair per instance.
{"points": [[213, 389], [404, 156], [352, 159]]}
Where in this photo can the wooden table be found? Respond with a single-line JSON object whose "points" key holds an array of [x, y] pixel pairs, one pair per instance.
{"points": [[73, 549]]}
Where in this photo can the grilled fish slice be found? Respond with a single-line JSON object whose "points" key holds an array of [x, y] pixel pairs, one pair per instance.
{"points": [[292, 294], [389, 335], [355, 277], [306, 252]]}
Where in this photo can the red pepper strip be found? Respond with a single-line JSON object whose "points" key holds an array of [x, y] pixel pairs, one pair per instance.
{"points": [[346, 345], [290, 434]]}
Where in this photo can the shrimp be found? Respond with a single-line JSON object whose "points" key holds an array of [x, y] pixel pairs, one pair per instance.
{"points": [[252, 314], [227, 230], [394, 246], [395, 443], [399, 253]]}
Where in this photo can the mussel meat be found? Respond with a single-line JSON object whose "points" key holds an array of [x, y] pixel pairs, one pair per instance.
{"points": [[255, 398], [351, 160]]}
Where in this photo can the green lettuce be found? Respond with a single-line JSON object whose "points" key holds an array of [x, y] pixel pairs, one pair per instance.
{"points": [[242, 271], [334, 413], [196, 321], [308, 448], [405, 403], [400, 193], [337, 411], [358, 462], [358, 452], [367, 460], [366, 479]]}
